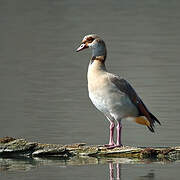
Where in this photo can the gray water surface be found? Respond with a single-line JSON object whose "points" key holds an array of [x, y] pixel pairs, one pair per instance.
{"points": [[43, 94]]}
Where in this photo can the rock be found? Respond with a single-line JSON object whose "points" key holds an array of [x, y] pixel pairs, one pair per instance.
{"points": [[11, 147]]}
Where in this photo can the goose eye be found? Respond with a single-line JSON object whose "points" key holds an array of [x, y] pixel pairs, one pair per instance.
{"points": [[90, 40]]}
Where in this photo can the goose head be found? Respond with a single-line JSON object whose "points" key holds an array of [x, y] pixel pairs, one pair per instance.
{"points": [[94, 42]]}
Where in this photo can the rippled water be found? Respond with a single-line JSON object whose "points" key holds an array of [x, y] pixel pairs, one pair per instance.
{"points": [[43, 94]]}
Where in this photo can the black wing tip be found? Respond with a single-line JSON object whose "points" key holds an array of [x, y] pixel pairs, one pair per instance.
{"points": [[158, 122], [155, 119], [151, 129]]}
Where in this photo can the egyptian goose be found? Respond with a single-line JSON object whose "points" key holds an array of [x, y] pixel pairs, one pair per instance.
{"points": [[111, 94]]}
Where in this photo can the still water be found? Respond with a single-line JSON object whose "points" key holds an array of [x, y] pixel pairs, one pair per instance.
{"points": [[43, 94]]}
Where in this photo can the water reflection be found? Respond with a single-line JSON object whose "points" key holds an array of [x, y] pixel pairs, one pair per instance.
{"points": [[112, 172], [115, 173], [109, 168], [149, 176], [17, 164], [26, 164]]}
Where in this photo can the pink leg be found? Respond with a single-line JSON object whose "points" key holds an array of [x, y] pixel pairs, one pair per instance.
{"points": [[111, 135], [118, 143]]}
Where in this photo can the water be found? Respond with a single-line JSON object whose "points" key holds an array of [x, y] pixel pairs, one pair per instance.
{"points": [[43, 90]]}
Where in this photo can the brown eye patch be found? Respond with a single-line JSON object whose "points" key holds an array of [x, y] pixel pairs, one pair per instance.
{"points": [[90, 39]]}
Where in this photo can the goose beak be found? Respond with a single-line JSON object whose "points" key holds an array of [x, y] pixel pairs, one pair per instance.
{"points": [[81, 47]]}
